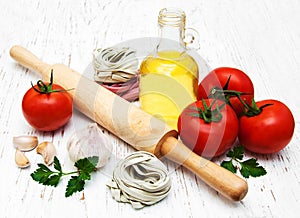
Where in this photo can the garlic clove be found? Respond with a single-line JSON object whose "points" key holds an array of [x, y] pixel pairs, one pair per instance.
{"points": [[21, 160], [25, 143], [88, 142], [48, 151]]}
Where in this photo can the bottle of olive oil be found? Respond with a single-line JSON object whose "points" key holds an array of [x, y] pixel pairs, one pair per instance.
{"points": [[169, 76]]}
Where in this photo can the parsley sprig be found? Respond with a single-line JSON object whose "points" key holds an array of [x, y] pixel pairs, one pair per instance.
{"points": [[247, 168], [85, 167]]}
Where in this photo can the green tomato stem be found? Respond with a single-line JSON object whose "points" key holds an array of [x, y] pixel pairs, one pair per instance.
{"points": [[46, 89], [207, 113]]}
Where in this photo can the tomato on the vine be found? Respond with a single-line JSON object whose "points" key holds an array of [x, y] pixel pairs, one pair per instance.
{"points": [[268, 128], [47, 106], [209, 127], [225, 83]]}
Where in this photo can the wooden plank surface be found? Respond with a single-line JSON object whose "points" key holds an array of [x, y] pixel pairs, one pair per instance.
{"points": [[261, 37]]}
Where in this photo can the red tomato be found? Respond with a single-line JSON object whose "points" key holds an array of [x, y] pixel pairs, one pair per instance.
{"points": [[268, 132], [239, 81], [47, 112], [208, 139]]}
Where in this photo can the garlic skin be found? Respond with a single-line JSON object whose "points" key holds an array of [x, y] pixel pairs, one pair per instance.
{"points": [[25, 143], [87, 142]]}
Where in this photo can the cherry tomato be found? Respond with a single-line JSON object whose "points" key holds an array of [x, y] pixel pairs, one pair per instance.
{"points": [[269, 131], [208, 139], [47, 106], [227, 79]]}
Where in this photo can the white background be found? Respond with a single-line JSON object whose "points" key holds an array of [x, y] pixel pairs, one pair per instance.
{"points": [[260, 37]]}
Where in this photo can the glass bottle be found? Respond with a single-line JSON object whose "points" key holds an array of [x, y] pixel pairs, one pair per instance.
{"points": [[169, 76]]}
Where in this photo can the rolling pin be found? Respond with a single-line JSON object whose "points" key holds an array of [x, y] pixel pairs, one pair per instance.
{"points": [[131, 124]]}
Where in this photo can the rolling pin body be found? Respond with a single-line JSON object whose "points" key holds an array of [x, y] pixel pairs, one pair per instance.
{"points": [[136, 127]]}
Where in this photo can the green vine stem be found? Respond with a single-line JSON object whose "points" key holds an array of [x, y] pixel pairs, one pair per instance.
{"points": [[225, 94], [249, 110]]}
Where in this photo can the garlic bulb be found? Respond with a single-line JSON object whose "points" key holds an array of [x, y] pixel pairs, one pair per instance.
{"points": [[88, 142]]}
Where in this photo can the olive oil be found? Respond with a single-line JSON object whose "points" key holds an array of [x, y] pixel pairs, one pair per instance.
{"points": [[168, 83]]}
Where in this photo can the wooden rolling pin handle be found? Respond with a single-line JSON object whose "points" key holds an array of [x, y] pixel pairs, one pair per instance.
{"points": [[228, 184], [27, 59]]}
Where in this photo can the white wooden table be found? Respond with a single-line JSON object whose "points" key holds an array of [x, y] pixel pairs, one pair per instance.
{"points": [[261, 37]]}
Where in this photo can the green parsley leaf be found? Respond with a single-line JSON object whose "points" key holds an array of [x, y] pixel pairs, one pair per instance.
{"points": [[236, 153], [57, 165], [53, 180], [75, 184], [251, 168], [87, 165], [229, 166], [44, 175], [247, 168], [84, 175]]}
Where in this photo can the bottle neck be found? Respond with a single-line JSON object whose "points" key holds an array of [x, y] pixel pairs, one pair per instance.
{"points": [[171, 23], [171, 38]]}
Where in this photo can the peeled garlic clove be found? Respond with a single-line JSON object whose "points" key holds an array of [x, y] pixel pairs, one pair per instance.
{"points": [[25, 143], [21, 160], [88, 142], [48, 151]]}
